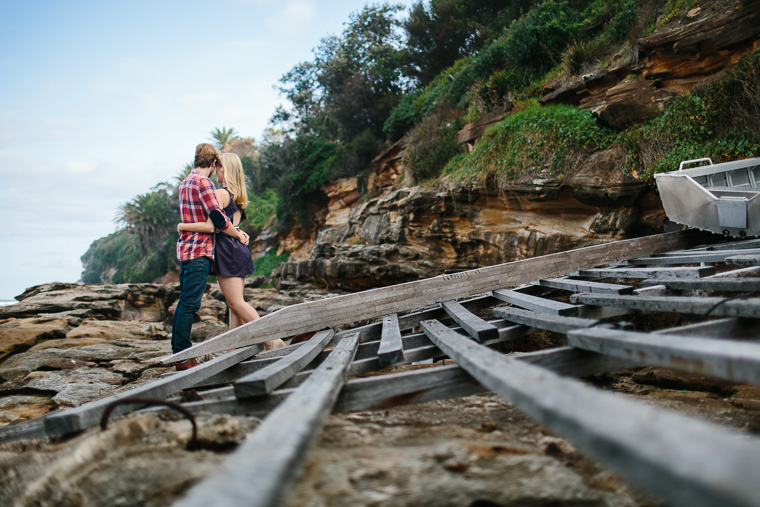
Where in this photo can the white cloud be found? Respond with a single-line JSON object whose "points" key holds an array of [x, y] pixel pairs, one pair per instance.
{"points": [[292, 17]]}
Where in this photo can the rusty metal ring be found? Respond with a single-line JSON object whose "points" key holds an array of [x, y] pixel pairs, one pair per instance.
{"points": [[151, 401]]}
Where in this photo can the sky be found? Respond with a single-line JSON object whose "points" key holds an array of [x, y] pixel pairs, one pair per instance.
{"points": [[102, 100]]}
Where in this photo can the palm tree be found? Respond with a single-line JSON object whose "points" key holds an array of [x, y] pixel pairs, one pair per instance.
{"points": [[151, 217], [223, 137]]}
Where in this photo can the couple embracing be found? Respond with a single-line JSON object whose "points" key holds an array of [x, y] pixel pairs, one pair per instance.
{"points": [[210, 242]]}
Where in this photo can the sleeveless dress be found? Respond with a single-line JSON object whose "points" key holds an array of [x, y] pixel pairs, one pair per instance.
{"points": [[231, 257]]}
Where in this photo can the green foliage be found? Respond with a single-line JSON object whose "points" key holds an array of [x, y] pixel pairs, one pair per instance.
{"points": [[532, 140], [538, 39], [262, 209], [607, 24], [721, 122], [118, 258], [150, 216], [267, 263], [430, 145], [403, 117], [443, 31], [223, 137], [305, 164]]}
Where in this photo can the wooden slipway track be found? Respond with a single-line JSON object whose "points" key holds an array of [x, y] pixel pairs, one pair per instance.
{"points": [[589, 296]]}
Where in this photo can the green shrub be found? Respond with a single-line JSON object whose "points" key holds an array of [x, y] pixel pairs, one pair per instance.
{"points": [[721, 122], [262, 209], [431, 144], [267, 263], [532, 140], [537, 40]]}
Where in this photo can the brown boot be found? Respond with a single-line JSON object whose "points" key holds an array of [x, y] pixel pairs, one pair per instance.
{"points": [[186, 364]]}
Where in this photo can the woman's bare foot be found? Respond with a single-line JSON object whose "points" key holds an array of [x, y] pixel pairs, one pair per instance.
{"points": [[274, 344]]}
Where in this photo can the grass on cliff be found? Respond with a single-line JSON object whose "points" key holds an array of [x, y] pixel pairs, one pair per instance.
{"points": [[536, 139]]}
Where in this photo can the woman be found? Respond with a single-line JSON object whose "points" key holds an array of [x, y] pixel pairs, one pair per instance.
{"points": [[232, 259]]}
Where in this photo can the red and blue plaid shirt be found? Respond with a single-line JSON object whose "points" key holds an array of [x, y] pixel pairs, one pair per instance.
{"points": [[197, 198]]}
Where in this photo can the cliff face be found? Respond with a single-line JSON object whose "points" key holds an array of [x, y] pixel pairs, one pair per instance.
{"points": [[395, 233], [408, 233], [668, 63]]}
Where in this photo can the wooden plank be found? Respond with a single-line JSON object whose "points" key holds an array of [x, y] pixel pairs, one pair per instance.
{"points": [[417, 386], [33, 429], [692, 257], [262, 469], [535, 303], [738, 361], [660, 273], [576, 362], [586, 286], [744, 260], [267, 379], [683, 460], [476, 327], [555, 323], [80, 418], [732, 328], [713, 284], [349, 308], [391, 350], [716, 306]]}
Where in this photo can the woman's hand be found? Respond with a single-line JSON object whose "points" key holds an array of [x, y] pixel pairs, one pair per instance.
{"points": [[243, 237]]}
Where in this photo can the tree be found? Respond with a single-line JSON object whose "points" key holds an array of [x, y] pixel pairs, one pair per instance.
{"points": [[223, 137], [151, 216], [446, 30], [354, 81]]}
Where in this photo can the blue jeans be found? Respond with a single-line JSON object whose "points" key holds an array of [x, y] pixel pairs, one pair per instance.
{"points": [[193, 275]]}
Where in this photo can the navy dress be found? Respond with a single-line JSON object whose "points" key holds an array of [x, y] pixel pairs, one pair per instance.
{"points": [[231, 257]]}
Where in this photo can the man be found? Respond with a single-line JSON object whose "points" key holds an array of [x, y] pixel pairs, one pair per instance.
{"points": [[195, 250]]}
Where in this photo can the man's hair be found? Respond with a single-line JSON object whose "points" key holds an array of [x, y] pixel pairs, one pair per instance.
{"points": [[205, 155]]}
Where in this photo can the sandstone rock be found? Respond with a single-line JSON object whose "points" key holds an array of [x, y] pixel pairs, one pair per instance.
{"points": [[16, 408], [20, 365], [17, 335], [110, 301], [600, 181], [633, 101], [119, 330]]}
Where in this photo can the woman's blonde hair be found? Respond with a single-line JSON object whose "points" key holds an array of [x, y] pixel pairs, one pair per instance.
{"points": [[234, 179]]}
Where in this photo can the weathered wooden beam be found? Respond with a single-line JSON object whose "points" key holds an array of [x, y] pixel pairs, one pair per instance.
{"points": [[476, 327], [713, 284], [744, 260], [577, 362], [417, 386], [680, 304], [685, 461], [262, 469], [267, 379], [80, 418], [391, 349], [692, 257], [587, 286], [738, 361], [345, 309], [535, 303], [732, 328], [660, 273], [546, 321]]}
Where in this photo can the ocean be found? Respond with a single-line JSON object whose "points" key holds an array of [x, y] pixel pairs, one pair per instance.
{"points": [[6, 302]]}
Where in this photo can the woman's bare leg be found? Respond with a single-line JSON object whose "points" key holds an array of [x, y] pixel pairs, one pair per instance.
{"points": [[240, 311]]}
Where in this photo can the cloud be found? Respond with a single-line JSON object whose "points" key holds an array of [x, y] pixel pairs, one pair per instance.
{"points": [[292, 17]]}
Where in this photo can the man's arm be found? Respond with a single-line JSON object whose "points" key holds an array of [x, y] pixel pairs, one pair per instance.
{"points": [[215, 214]]}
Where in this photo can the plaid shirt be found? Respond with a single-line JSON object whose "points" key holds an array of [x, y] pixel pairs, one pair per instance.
{"points": [[197, 198]]}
